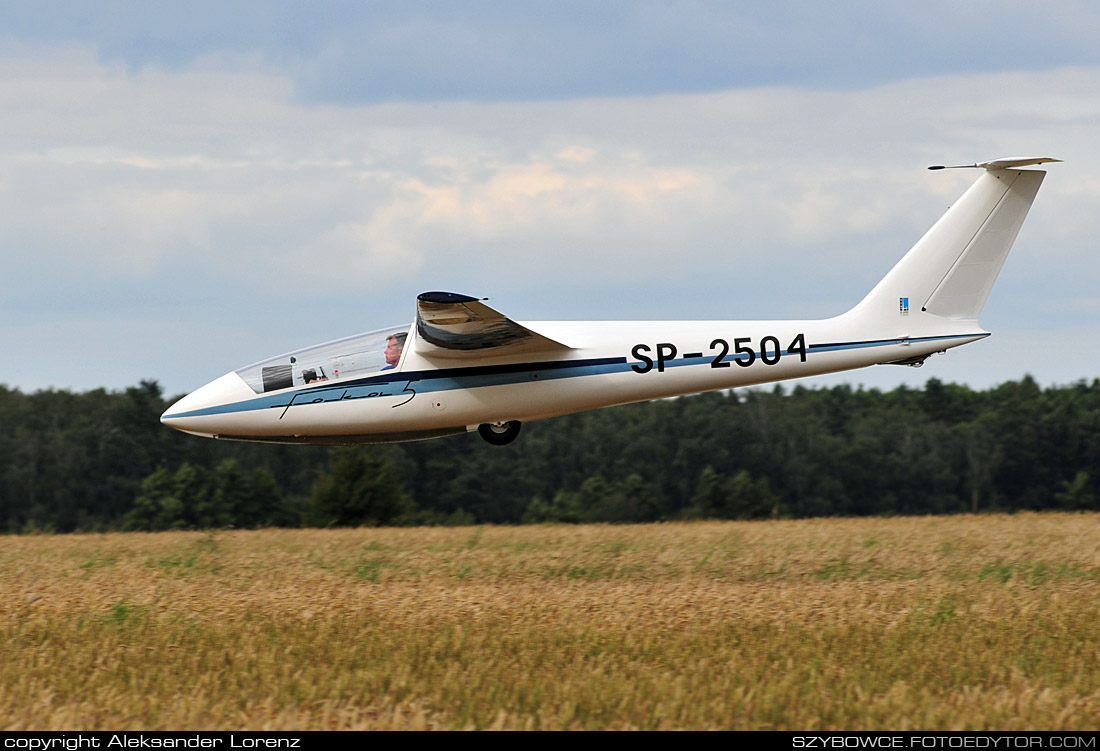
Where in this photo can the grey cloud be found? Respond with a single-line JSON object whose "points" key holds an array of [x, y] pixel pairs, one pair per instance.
{"points": [[492, 50]]}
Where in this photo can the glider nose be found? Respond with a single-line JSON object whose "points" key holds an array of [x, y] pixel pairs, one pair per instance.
{"points": [[204, 411]]}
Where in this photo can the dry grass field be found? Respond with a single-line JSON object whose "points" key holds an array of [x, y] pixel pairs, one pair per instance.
{"points": [[980, 622]]}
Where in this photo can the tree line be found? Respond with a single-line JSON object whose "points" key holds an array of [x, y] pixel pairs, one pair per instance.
{"points": [[101, 460]]}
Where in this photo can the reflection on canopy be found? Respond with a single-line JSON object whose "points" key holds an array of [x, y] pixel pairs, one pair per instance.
{"points": [[355, 356]]}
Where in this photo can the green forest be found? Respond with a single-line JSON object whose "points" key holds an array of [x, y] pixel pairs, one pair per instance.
{"points": [[101, 460]]}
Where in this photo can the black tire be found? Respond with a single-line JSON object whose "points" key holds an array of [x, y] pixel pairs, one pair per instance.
{"points": [[499, 434]]}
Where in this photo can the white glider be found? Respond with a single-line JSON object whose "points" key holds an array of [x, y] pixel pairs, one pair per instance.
{"points": [[463, 366]]}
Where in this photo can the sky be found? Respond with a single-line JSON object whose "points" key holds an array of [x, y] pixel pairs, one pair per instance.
{"points": [[189, 188]]}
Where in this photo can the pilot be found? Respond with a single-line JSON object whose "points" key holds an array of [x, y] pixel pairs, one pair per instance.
{"points": [[394, 345]]}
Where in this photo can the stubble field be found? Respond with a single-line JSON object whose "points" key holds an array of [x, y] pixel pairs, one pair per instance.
{"points": [[979, 622]]}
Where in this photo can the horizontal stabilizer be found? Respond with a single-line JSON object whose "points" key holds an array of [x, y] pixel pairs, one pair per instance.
{"points": [[1004, 163], [459, 326]]}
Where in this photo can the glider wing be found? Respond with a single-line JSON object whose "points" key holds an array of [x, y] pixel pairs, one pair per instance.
{"points": [[459, 326]]}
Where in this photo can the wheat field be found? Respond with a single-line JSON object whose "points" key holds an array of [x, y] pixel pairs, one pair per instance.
{"points": [[974, 622]]}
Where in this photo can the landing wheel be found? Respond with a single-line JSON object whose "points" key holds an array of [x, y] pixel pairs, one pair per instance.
{"points": [[500, 433]]}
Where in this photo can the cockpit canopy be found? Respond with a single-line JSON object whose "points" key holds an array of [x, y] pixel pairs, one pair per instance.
{"points": [[353, 357]]}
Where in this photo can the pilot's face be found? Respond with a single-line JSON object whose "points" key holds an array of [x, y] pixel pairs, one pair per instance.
{"points": [[393, 351]]}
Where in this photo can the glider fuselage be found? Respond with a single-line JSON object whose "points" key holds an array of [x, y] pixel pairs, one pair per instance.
{"points": [[610, 363]]}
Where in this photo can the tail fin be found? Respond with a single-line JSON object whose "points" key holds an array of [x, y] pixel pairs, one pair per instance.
{"points": [[950, 271]]}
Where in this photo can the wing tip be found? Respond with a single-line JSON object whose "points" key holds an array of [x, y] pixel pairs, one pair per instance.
{"points": [[445, 298]]}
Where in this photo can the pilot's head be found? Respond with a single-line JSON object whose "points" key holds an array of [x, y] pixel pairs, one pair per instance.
{"points": [[394, 345]]}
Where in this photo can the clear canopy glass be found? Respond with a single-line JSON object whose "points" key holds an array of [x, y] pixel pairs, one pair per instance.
{"points": [[353, 357]]}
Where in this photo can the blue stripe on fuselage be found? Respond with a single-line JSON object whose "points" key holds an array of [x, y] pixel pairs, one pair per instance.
{"points": [[814, 348], [391, 383]]}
